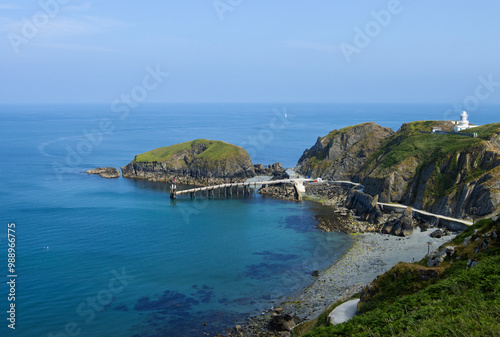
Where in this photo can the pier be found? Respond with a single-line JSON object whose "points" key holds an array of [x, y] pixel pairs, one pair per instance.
{"points": [[228, 187]]}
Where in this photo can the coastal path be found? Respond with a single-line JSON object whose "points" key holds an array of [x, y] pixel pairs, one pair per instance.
{"points": [[399, 208], [298, 184], [423, 214]]}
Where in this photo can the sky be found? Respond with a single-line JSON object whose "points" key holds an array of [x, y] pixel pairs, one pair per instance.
{"points": [[202, 51]]}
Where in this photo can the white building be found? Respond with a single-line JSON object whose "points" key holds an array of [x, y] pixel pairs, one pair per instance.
{"points": [[463, 123]]}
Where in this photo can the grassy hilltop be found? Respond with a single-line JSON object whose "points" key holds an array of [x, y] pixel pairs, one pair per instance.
{"points": [[198, 162], [410, 142], [212, 150]]}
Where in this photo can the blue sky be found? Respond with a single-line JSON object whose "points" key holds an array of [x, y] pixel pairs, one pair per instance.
{"points": [[248, 51]]}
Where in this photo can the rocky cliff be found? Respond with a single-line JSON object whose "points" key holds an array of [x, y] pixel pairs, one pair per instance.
{"points": [[448, 174], [199, 162], [342, 153]]}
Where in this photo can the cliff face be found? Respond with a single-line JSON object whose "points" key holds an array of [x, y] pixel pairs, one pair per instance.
{"points": [[200, 162], [448, 174], [342, 153], [458, 184]]}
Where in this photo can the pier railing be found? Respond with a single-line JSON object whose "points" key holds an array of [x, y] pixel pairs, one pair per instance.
{"points": [[228, 187]]}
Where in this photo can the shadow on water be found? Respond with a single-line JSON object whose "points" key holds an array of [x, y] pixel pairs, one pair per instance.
{"points": [[176, 314]]}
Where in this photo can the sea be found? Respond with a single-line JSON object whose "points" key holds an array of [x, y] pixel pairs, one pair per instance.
{"points": [[117, 257]]}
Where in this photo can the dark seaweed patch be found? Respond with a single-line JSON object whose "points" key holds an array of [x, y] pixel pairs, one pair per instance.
{"points": [[206, 323], [121, 307], [264, 270], [277, 257], [170, 302], [204, 295]]}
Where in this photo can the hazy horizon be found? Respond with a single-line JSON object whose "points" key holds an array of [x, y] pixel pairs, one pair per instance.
{"points": [[237, 51]]}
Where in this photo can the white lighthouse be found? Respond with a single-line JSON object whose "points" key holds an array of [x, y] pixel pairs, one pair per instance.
{"points": [[463, 123]]}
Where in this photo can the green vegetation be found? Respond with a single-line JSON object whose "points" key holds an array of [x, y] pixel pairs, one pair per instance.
{"points": [[319, 163], [328, 138], [204, 149], [432, 150], [410, 142], [454, 299], [484, 131], [319, 322]]}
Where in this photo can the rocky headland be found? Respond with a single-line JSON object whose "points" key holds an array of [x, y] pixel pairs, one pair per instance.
{"points": [[450, 174], [105, 172], [340, 154], [454, 175], [200, 162]]}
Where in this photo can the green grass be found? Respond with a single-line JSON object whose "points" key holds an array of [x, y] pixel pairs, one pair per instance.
{"points": [[334, 133], [410, 142], [425, 147], [457, 302], [484, 131], [215, 150], [431, 149], [320, 321]]}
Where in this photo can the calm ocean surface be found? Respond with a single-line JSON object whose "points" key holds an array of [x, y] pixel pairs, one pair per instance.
{"points": [[98, 257]]}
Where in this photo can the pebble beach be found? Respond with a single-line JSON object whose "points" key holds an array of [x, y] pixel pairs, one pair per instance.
{"points": [[371, 254]]}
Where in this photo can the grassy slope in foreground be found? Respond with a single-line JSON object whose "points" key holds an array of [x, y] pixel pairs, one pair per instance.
{"points": [[215, 150], [456, 301]]}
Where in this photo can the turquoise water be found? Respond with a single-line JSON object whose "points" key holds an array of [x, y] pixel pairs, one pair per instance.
{"points": [[98, 257]]}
